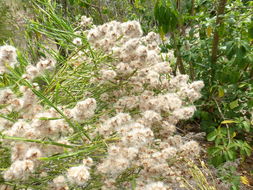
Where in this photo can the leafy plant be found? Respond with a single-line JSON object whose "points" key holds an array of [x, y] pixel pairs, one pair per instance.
{"points": [[228, 174], [211, 44], [227, 148]]}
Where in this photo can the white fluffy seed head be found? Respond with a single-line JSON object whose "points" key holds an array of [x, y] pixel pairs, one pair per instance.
{"points": [[184, 113], [151, 116], [78, 175], [108, 74], [19, 169], [86, 21], [88, 161], [60, 180], [8, 55], [77, 41], [45, 64], [31, 71], [33, 153], [156, 186], [84, 109], [190, 149], [197, 85], [6, 95]]}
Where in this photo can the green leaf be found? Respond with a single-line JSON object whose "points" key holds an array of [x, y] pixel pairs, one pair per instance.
{"points": [[231, 154], [234, 104], [234, 187], [230, 49], [234, 76], [246, 126], [221, 92], [250, 30], [250, 103], [246, 149], [212, 136], [228, 121], [166, 15], [214, 150], [218, 160], [71, 2]]}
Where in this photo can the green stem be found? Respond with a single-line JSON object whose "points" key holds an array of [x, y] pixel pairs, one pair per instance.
{"points": [[35, 141]]}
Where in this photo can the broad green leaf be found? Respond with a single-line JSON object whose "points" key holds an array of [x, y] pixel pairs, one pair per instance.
{"points": [[221, 92], [234, 104], [246, 126], [247, 148], [214, 150], [231, 154], [166, 15], [212, 136], [218, 160]]}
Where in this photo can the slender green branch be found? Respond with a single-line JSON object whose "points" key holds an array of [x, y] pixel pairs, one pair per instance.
{"points": [[35, 141]]}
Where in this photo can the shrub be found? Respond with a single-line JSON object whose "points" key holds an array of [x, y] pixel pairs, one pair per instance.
{"points": [[120, 133]]}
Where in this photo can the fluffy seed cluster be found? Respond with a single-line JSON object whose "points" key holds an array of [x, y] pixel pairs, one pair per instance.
{"points": [[83, 110], [78, 174], [148, 103], [77, 41], [8, 57], [34, 71], [85, 21], [38, 123]]}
